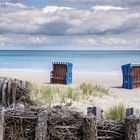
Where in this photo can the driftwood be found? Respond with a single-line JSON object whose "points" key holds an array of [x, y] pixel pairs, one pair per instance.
{"points": [[64, 124], [111, 130], [20, 125], [132, 129], [89, 128]]}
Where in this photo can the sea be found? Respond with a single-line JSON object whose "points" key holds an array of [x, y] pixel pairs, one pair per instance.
{"points": [[83, 60]]}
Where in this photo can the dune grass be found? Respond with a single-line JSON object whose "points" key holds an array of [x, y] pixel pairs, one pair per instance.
{"points": [[93, 90], [115, 113], [52, 95]]}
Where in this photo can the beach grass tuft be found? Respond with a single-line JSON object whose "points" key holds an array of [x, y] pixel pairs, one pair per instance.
{"points": [[93, 90], [115, 113]]}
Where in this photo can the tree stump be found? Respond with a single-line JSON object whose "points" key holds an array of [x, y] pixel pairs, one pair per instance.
{"points": [[41, 129], [132, 129], [89, 128]]}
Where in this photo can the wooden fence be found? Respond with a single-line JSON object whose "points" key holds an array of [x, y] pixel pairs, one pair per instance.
{"points": [[60, 123], [24, 121]]}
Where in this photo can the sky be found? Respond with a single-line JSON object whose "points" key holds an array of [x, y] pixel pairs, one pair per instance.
{"points": [[70, 24]]}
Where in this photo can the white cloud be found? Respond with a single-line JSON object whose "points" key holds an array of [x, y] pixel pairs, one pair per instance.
{"points": [[12, 5], [63, 21], [74, 41], [4, 40], [106, 41], [107, 8], [51, 9], [38, 40]]}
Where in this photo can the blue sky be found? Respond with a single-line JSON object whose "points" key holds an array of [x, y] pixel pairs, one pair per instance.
{"points": [[37, 3], [44, 3], [69, 24]]}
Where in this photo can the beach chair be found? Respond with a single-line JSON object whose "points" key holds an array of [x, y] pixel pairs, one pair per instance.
{"points": [[61, 73], [131, 76]]}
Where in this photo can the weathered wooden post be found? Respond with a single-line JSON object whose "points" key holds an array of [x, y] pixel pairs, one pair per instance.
{"points": [[96, 111], [132, 112], [4, 86], [132, 129], [2, 124], [41, 128], [14, 91], [89, 128], [132, 125]]}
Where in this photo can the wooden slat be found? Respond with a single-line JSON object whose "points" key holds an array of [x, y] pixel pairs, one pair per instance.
{"points": [[136, 77], [4, 86], [2, 124], [1, 84], [9, 92]]}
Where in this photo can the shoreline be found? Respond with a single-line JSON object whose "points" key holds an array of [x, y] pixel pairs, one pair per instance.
{"points": [[45, 70], [43, 76]]}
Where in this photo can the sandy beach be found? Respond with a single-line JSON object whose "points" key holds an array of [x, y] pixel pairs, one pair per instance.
{"points": [[112, 81]]}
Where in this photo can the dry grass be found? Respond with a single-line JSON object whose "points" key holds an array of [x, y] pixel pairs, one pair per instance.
{"points": [[93, 90], [53, 95], [115, 113]]}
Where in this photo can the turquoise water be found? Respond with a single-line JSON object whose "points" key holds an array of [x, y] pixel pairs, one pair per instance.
{"points": [[92, 61]]}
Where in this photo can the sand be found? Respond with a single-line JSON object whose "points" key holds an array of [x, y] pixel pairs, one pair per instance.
{"points": [[112, 81]]}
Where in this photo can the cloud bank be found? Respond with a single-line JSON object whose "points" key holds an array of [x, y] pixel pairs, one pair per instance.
{"points": [[43, 26]]}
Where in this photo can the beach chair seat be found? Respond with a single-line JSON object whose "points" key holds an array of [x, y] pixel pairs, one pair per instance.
{"points": [[62, 73]]}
